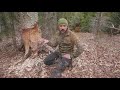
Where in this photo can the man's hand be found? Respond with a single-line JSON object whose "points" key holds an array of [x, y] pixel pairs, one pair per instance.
{"points": [[67, 56], [45, 41], [49, 48], [43, 44]]}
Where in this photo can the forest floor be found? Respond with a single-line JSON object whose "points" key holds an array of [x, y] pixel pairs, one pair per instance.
{"points": [[100, 59]]}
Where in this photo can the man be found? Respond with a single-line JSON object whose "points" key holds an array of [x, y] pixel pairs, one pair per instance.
{"points": [[65, 41]]}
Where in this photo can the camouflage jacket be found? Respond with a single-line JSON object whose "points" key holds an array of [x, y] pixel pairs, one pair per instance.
{"points": [[67, 43]]}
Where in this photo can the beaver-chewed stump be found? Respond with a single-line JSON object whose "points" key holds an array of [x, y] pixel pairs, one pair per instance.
{"points": [[30, 68]]}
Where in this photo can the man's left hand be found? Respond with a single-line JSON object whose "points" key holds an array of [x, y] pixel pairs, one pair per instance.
{"points": [[67, 56]]}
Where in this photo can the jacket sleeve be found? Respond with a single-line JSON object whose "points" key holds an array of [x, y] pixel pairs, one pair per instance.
{"points": [[78, 49]]}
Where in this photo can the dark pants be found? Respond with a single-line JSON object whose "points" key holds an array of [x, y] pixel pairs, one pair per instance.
{"points": [[61, 62]]}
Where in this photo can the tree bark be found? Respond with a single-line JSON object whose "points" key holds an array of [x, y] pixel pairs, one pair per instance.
{"points": [[49, 24]]}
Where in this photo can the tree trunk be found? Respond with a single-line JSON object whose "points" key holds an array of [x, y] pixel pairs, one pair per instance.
{"points": [[18, 32], [12, 16], [31, 67], [29, 30], [98, 22], [49, 24]]}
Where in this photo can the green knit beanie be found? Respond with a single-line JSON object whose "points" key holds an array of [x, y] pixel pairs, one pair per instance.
{"points": [[62, 21]]}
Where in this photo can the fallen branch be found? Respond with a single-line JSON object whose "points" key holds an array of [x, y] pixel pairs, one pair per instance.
{"points": [[113, 27]]}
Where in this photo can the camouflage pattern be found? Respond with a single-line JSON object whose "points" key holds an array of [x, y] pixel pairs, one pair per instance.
{"points": [[66, 43]]}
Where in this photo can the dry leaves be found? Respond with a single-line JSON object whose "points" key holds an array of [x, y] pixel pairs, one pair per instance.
{"points": [[100, 59]]}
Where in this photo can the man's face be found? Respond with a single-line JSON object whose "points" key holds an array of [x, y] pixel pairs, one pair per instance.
{"points": [[62, 28]]}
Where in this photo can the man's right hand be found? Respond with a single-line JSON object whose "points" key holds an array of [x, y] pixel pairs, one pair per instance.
{"points": [[45, 41], [49, 48]]}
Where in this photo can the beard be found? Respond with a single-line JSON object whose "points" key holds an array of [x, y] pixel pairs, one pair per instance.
{"points": [[63, 30]]}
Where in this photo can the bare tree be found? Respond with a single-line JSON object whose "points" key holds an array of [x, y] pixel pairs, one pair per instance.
{"points": [[98, 23]]}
